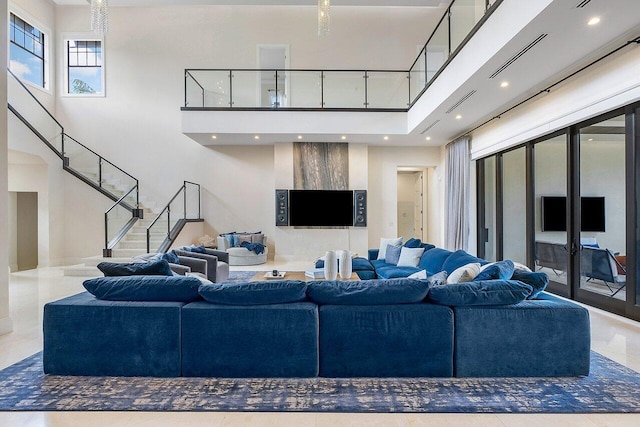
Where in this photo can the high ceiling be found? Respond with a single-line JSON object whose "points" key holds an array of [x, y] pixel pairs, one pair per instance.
{"points": [[421, 3]]}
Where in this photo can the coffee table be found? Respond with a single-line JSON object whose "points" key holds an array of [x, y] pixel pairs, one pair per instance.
{"points": [[298, 275]]}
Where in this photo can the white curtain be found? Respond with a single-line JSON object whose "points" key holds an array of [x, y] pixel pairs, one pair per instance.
{"points": [[458, 162]]}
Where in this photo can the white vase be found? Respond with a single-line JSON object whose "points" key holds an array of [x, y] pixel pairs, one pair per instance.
{"points": [[345, 266], [330, 265]]}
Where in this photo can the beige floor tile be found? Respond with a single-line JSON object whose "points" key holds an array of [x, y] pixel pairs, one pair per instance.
{"points": [[269, 419], [615, 420], [546, 420], [361, 420], [454, 420]]}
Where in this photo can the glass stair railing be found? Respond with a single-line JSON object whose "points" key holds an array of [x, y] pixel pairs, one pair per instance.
{"points": [[336, 90], [80, 161], [184, 207]]}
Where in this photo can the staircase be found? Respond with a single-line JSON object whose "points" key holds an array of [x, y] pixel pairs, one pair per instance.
{"points": [[128, 223]]}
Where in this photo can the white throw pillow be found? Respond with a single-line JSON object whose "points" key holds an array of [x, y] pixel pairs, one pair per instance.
{"points": [[410, 257], [422, 274], [466, 273], [383, 245]]}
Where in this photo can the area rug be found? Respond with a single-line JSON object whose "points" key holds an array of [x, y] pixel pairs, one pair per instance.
{"points": [[610, 387], [240, 276]]}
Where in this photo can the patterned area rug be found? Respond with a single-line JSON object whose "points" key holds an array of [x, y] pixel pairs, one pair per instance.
{"points": [[609, 388], [240, 276]]}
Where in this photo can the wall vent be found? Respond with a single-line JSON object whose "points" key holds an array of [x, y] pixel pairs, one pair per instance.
{"points": [[518, 55], [457, 104], [583, 3], [429, 127]]}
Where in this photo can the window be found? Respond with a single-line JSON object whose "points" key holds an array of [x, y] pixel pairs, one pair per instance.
{"points": [[84, 67], [27, 51]]}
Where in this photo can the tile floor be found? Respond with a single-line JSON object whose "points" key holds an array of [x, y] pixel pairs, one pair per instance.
{"points": [[614, 337]]}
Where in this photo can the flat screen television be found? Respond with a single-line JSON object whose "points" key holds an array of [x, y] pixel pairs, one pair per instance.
{"points": [[321, 208], [554, 213]]}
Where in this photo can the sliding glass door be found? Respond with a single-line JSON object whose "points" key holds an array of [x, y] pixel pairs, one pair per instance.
{"points": [[550, 211], [602, 211], [568, 204]]}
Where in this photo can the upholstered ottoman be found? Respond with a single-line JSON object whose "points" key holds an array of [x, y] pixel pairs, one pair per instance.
{"points": [[404, 340], [87, 336], [544, 337], [247, 341], [243, 256]]}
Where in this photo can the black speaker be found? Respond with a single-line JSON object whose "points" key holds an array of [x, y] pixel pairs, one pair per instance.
{"points": [[282, 208], [359, 208]]}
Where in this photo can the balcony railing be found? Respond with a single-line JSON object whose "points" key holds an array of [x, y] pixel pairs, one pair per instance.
{"points": [[336, 90]]}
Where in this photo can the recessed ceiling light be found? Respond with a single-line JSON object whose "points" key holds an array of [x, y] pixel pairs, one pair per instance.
{"points": [[214, 137], [428, 138], [343, 137], [299, 136], [256, 137], [594, 21], [504, 84], [458, 117], [386, 138], [590, 139]]}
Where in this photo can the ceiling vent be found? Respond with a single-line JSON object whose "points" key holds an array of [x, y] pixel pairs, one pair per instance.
{"points": [[583, 3], [518, 55], [457, 104], [429, 127]]}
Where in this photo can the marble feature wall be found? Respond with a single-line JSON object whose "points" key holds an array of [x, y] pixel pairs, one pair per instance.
{"points": [[320, 166]]}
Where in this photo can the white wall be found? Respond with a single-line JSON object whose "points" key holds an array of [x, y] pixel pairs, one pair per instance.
{"points": [[383, 189], [12, 208], [6, 324], [138, 124]]}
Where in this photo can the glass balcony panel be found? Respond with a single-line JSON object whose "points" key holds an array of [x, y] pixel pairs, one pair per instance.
{"points": [[117, 218], [27, 106], [247, 86], [177, 210], [303, 89], [438, 49], [344, 89], [82, 160], [158, 232], [387, 89], [192, 201], [118, 183], [208, 88], [417, 75], [465, 14]]}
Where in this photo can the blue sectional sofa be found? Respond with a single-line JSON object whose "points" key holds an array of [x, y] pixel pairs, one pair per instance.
{"points": [[175, 326]]}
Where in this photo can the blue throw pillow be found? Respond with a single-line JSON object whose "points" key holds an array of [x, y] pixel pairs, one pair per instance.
{"points": [[255, 293], [433, 259], [486, 292], [392, 255], [413, 243], [538, 281], [154, 268], [369, 292], [498, 270], [428, 246], [460, 258], [145, 288], [171, 257]]}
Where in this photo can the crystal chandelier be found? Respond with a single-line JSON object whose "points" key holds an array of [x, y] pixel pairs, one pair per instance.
{"points": [[99, 16], [324, 17]]}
